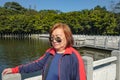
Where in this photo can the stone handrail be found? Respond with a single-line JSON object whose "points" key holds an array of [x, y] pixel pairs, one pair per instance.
{"points": [[108, 43], [108, 68]]}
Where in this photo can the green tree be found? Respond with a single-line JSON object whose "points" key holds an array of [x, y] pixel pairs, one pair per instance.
{"points": [[14, 6]]}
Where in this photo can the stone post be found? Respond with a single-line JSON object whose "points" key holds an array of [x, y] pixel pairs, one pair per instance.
{"points": [[88, 61], [95, 39], [16, 76], [117, 54], [105, 42], [119, 44]]}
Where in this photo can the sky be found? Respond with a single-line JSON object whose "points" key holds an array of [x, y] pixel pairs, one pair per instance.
{"points": [[62, 5]]}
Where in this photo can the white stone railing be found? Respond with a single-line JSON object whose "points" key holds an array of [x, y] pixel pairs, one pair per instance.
{"points": [[100, 42], [104, 69]]}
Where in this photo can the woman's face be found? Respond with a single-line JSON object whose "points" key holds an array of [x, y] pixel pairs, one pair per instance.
{"points": [[58, 39]]}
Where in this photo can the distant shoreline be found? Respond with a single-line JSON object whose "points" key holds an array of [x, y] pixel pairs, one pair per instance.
{"points": [[24, 35]]}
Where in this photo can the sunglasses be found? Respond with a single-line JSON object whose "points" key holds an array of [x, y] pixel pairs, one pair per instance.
{"points": [[57, 39]]}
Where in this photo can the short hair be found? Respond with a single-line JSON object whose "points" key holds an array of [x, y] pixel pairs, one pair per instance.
{"points": [[67, 32]]}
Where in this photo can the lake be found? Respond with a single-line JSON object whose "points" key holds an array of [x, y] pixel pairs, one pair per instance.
{"points": [[19, 51]]}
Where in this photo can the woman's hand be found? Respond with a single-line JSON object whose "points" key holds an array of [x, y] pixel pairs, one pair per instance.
{"points": [[7, 71]]}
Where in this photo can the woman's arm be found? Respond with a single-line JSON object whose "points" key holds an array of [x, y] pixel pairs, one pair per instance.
{"points": [[30, 67]]}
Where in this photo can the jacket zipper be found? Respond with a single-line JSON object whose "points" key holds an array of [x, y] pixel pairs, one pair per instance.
{"points": [[59, 68]]}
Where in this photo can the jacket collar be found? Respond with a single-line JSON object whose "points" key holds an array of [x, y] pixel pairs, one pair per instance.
{"points": [[68, 50]]}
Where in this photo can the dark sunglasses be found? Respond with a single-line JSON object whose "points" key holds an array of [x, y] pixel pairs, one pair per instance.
{"points": [[57, 39]]}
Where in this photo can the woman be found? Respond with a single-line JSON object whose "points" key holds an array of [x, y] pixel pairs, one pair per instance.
{"points": [[60, 62]]}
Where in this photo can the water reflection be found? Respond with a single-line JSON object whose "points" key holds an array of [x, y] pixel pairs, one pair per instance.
{"points": [[15, 52], [96, 54]]}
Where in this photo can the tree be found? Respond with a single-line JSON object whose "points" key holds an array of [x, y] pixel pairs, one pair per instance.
{"points": [[115, 7], [14, 6]]}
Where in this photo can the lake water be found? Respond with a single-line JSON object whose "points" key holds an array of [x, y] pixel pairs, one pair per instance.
{"points": [[15, 52]]}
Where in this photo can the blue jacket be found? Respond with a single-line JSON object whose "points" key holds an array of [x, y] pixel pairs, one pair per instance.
{"points": [[71, 66]]}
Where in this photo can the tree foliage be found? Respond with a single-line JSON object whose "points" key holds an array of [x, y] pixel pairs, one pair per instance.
{"points": [[16, 19]]}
